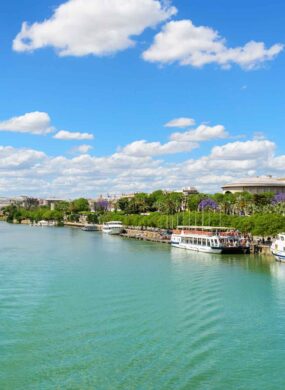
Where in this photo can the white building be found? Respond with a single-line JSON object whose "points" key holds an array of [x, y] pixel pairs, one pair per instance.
{"points": [[256, 185]]}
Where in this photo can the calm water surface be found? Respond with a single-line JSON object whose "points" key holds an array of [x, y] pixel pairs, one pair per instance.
{"points": [[80, 310]]}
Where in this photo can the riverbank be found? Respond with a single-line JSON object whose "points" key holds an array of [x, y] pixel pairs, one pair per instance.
{"points": [[163, 236]]}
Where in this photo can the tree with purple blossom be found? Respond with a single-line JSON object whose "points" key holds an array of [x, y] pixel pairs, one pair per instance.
{"points": [[279, 198], [101, 205], [207, 204]]}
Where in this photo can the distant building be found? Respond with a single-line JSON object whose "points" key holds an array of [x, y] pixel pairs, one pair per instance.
{"points": [[50, 202], [256, 185], [4, 202], [190, 191]]}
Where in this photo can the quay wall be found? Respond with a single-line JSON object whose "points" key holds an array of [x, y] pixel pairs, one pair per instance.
{"points": [[154, 235], [157, 235]]}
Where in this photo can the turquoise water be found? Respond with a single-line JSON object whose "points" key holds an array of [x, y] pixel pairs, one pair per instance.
{"points": [[80, 310]]}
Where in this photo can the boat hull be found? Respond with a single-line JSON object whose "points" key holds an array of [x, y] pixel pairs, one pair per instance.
{"points": [[235, 250], [279, 256], [197, 248], [89, 229], [113, 231], [206, 249]]}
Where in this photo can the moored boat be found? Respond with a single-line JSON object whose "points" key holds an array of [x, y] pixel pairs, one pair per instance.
{"points": [[278, 248], [219, 240], [44, 223], [113, 227], [90, 228]]}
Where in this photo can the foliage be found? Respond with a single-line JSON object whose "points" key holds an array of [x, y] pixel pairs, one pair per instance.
{"points": [[207, 204], [78, 205], [258, 224]]}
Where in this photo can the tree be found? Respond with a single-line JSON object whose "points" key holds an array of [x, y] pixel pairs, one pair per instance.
{"points": [[194, 200], [171, 203], [208, 204], [123, 204], [79, 205], [62, 206]]}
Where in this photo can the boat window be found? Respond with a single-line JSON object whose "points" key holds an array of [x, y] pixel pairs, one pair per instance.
{"points": [[199, 241], [208, 242], [204, 242], [195, 241]]}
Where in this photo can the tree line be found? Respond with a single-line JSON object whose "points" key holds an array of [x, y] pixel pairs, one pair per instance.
{"points": [[259, 214]]}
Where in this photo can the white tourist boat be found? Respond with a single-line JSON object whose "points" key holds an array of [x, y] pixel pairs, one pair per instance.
{"points": [[113, 227], [209, 239], [89, 227], [278, 247]]}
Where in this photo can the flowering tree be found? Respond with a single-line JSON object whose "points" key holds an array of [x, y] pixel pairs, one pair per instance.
{"points": [[278, 198], [207, 204], [101, 205]]}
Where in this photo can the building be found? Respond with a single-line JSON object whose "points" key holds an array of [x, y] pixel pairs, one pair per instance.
{"points": [[51, 202], [256, 185], [4, 202], [190, 191]]}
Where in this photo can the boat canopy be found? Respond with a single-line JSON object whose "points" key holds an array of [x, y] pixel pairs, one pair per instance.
{"points": [[206, 228]]}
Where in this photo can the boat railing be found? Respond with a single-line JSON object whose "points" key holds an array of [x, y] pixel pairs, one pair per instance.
{"points": [[194, 232]]}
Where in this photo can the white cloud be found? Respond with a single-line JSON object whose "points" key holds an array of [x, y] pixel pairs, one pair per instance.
{"points": [[83, 149], [136, 168], [202, 133], [13, 158], [33, 122], [248, 150], [180, 122], [69, 135], [183, 42], [144, 148], [179, 142], [98, 27]]}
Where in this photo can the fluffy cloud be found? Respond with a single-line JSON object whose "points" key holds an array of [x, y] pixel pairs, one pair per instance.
{"points": [[179, 142], [33, 122], [69, 135], [244, 150], [183, 42], [12, 158], [202, 133], [83, 149], [180, 122], [27, 171], [82, 27], [144, 148]]}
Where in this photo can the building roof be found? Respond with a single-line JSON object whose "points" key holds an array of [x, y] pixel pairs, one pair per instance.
{"points": [[259, 181]]}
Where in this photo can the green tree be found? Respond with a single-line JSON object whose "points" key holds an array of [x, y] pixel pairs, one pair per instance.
{"points": [[79, 205]]}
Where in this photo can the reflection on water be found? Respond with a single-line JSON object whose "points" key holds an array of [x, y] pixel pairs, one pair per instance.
{"points": [[250, 262]]}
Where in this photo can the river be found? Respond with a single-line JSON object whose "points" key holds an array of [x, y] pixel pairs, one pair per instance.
{"points": [[82, 310]]}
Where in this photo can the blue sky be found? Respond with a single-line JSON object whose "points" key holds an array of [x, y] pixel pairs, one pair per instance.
{"points": [[126, 96]]}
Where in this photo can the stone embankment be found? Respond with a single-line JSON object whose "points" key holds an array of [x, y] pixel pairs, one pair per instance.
{"points": [[147, 234], [163, 236]]}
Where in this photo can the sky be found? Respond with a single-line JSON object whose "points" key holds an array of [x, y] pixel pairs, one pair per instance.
{"points": [[120, 96]]}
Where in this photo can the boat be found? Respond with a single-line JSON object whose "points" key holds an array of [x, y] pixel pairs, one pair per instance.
{"points": [[113, 227], [44, 223], [90, 228], [278, 248], [208, 239]]}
